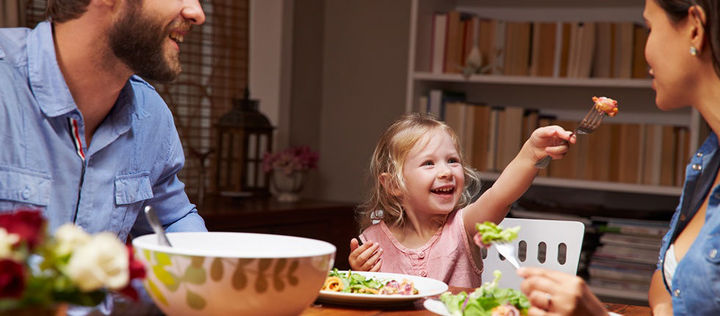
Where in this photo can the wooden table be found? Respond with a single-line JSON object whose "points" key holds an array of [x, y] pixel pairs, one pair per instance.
{"points": [[416, 309], [330, 221]]}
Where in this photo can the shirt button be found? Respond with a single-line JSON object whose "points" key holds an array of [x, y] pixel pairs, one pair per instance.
{"points": [[677, 292], [423, 273], [26, 193], [696, 167], [421, 255], [713, 253], [699, 154]]}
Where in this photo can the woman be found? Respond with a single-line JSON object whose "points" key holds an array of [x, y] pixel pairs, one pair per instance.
{"points": [[683, 52]]}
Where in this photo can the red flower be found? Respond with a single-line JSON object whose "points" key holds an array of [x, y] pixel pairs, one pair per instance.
{"points": [[136, 270], [12, 279], [28, 224]]}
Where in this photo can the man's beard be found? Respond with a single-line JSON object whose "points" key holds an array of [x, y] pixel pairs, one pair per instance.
{"points": [[138, 41]]}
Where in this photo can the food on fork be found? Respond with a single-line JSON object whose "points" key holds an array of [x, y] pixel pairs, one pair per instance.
{"points": [[607, 105], [489, 233]]}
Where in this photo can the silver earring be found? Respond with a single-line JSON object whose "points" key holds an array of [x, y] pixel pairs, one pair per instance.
{"points": [[693, 51]]}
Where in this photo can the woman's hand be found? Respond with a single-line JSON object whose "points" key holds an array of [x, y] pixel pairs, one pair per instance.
{"points": [[367, 257], [550, 141], [556, 293]]}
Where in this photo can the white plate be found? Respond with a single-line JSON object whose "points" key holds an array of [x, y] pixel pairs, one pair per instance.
{"points": [[439, 308], [425, 286]]}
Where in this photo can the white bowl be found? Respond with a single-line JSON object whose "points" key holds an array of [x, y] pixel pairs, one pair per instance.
{"points": [[216, 273]]}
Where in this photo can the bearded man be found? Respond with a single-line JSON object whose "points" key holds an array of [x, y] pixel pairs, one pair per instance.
{"points": [[84, 138]]}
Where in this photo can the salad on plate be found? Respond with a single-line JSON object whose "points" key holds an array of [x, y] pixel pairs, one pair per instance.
{"points": [[487, 300]]}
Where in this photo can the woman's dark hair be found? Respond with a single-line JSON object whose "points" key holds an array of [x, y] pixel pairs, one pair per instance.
{"points": [[677, 10], [65, 10]]}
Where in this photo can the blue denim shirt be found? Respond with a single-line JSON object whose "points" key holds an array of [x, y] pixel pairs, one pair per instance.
{"points": [[696, 283], [132, 160]]}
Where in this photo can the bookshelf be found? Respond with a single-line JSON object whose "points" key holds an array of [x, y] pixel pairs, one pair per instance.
{"points": [[563, 97]]}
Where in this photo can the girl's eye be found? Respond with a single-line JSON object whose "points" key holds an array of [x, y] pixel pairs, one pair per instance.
{"points": [[427, 163], [453, 160]]}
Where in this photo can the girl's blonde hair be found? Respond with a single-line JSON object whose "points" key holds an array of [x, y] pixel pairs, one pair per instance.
{"points": [[389, 157]]}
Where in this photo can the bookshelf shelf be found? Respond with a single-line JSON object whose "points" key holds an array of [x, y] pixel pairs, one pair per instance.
{"points": [[626, 294], [540, 81], [597, 185]]}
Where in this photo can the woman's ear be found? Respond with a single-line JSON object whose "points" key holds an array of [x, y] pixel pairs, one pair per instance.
{"points": [[389, 185], [697, 19]]}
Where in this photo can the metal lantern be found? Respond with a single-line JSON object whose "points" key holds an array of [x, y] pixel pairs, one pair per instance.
{"points": [[244, 136]]}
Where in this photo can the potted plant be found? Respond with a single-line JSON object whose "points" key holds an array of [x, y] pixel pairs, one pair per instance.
{"points": [[288, 168]]}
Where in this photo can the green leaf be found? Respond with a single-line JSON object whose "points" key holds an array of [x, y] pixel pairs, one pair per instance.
{"points": [[239, 279], [216, 269], [195, 301], [166, 278], [153, 289], [162, 259], [194, 275]]}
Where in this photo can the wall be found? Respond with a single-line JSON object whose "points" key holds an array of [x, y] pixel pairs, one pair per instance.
{"points": [[364, 67]]}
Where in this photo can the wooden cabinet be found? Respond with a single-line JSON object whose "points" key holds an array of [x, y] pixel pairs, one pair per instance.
{"points": [[324, 220]]}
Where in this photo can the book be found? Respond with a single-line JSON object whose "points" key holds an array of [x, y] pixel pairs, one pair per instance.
{"points": [[586, 49], [434, 105], [493, 131], [542, 62], [603, 51], [682, 157], [639, 65], [652, 154], [486, 42], [632, 241], [497, 59], [629, 160], [480, 136], [668, 155], [597, 162], [623, 53], [509, 135], [453, 43], [517, 48], [437, 43], [470, 26], [529, 123], [563, 55]]}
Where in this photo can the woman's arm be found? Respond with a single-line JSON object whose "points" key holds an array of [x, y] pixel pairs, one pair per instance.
{"points": [[658, 297], [494, 204]]}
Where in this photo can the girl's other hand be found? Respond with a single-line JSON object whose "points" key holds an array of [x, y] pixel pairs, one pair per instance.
{"points": [[550, 141], [367, 257]]}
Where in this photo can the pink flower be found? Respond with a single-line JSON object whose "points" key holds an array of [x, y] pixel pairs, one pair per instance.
{"points": [[299, 158], [26, 223], [12, 279]]}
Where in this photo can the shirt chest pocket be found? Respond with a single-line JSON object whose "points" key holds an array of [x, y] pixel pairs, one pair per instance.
{"points": [[132, 188], [20, 188]]}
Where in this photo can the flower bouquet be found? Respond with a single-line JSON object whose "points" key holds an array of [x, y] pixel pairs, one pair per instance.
{"points": [[292, 159], [38, 271]]}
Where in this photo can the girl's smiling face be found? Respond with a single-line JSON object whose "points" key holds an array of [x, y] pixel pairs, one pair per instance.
{"points": [[433, 175]]}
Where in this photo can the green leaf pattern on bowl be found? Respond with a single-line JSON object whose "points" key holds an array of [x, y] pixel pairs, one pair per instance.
{"points": [[282, 274]]}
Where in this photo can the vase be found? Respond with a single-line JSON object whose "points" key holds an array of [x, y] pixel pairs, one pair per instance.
{"points": [[288, 186]]}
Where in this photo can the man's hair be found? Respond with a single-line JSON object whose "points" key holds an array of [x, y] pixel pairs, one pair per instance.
{"points": [[677, 10], [65, 10]]}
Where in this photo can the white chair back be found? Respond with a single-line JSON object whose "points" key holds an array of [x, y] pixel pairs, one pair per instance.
{"points": [[550, 244]]}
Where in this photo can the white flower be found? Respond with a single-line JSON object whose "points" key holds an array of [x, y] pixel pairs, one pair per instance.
{"points": [[69, 237], [101, 262], [6, 243]]}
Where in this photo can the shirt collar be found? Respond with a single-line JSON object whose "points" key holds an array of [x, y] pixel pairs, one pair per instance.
{"points": [[51, 91], [46, 80]]}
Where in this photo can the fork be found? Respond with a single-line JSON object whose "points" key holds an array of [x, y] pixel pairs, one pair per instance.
{"points": [[589, 124], [507, 250]]}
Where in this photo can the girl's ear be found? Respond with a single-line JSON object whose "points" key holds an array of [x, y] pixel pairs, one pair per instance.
{"points": [[697, 22], [389, 185]]}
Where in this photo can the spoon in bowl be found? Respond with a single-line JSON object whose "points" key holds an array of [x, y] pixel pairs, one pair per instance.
{"points": [[156, 226]]}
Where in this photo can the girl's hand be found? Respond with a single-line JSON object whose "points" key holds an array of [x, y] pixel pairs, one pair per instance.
{"points": [[550, 141], [367, 257]]}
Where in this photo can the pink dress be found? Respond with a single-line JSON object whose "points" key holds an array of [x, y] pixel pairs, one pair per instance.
{"points": [[446, 256]]}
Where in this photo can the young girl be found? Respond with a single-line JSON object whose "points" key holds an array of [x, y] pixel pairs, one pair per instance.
{"points": [[421, 196]]}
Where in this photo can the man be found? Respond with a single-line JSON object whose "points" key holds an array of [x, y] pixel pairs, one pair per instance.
{"points": [[83, 137]]}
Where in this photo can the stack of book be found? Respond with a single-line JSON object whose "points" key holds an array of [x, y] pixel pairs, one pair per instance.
{"points": [[627, 256], [544, 49], [635, 153]]}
